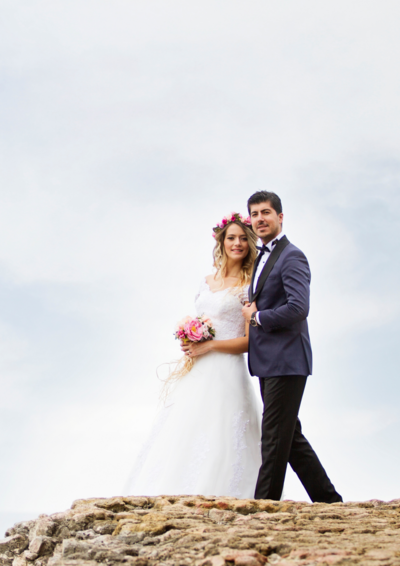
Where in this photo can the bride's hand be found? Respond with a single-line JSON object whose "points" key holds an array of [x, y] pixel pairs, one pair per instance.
{"points": [[196, 349]]}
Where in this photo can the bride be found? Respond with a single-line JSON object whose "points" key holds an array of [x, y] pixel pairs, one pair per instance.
{"points": [[206, 439]]}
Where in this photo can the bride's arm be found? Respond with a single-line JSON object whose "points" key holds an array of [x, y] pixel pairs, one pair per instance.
{"points": [[234, 346]]}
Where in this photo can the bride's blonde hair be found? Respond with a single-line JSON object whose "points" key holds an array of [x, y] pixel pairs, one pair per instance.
{"points": [[221, 259]]}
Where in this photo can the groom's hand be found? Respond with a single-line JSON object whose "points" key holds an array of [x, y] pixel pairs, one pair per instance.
{"points": [[248, 310]]}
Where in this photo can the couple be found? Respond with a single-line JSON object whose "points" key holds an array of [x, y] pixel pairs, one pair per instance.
{"points": [[210, 438]]}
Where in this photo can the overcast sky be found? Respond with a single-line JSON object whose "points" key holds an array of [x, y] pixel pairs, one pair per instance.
{"points": [[127, 130]]}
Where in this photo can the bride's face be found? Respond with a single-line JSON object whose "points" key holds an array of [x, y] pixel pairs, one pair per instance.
{"points": [[235, 243]]}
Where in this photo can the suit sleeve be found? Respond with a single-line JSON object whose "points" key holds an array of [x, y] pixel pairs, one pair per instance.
{"points": [[296, 278]]}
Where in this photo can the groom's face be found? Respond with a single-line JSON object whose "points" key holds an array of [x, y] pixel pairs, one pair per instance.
{"points": [[266, 222]]}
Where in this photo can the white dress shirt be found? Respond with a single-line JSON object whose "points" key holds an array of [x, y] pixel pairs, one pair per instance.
{"points": [[263, 261]]}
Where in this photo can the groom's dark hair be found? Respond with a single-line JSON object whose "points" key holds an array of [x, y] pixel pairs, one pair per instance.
{"points": [[265, 196]]}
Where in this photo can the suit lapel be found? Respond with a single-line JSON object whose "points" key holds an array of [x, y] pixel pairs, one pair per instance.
{"points": [[258, 258], [276, 252]]}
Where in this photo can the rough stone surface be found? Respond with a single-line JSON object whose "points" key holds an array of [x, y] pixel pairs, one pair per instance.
{"points": [[207, 531]]}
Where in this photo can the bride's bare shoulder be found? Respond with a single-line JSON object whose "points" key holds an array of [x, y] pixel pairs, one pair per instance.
{"points": [[210, 279]]}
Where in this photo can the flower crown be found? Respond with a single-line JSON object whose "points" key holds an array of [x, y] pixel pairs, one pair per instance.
{"points": [[232, 217]]}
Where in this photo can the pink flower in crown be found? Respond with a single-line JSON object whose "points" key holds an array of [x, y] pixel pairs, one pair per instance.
{"points": [[194, 330], [232, 217]]}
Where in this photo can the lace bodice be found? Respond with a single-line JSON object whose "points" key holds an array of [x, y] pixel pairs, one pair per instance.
{"points": [[224, 309]]}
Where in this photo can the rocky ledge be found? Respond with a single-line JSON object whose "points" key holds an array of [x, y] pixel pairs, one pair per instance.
{"points": [[207, 531]]}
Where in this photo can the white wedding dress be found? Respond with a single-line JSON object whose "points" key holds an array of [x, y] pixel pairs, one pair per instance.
{"points": [[206, 439]]}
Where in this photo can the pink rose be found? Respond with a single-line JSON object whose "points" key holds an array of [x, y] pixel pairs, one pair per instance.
{"points": [[233, 218], [224, 221], [181, 324], [194, 330]]}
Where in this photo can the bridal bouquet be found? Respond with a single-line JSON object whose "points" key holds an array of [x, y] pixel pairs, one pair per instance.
{"points": [[189, 329], [196, 329]]}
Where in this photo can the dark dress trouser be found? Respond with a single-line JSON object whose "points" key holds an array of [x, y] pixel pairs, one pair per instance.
{"points": [[283, 442]]}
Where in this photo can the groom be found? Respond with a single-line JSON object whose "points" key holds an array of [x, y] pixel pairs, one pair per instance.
{"points": [[280, 354]]}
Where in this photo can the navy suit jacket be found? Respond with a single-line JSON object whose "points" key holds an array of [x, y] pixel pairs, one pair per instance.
{"points": [[281, 345]]}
